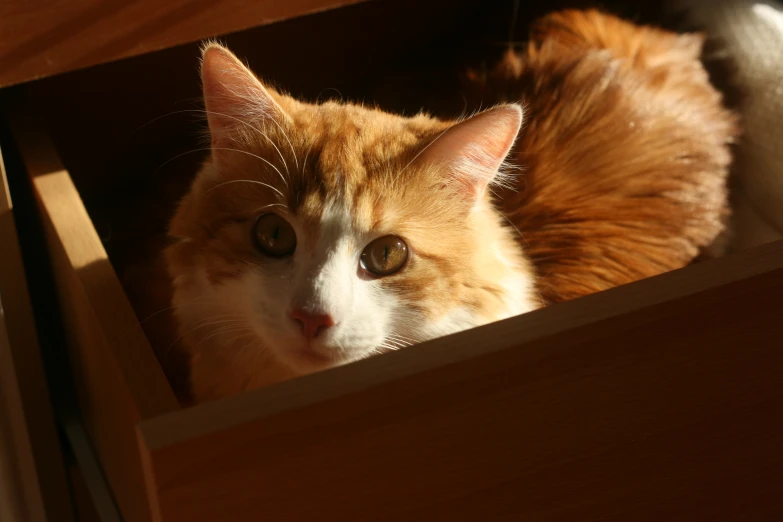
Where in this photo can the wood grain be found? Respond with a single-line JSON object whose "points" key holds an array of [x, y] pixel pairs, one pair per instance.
{"points": [[658, 400], [118, 378], [40, 38], [32, 471]]}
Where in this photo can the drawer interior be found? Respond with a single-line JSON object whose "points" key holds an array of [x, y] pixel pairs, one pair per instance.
{"points": [[129, 133], [126, 136]]}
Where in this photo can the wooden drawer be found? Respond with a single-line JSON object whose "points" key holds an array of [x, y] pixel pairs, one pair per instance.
{"points": [[33, 484], [658, 400], [40, 38]]}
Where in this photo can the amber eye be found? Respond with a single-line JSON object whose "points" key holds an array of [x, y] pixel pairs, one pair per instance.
{"points": [[384, 256], [274, 236]]}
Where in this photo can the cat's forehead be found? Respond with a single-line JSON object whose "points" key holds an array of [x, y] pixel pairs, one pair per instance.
{"points": [[343, 212], [348, 143], [328, 162], [353, 160]]}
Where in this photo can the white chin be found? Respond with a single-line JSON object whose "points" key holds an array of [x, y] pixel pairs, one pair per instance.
{"points": [[307, 361], [304, 359]]}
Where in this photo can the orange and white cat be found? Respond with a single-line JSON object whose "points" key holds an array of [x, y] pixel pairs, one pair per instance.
{"points": [[316, 235]]}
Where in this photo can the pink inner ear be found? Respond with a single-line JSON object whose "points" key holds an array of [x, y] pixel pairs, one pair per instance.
{"points": [[473, 150], [232, 94]]}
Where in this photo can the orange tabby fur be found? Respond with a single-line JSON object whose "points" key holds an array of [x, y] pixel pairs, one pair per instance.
{"points": [[625, 153], [368, 159], [624, 158]]}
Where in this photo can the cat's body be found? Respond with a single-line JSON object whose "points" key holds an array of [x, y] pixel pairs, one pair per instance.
{"points": [[625, 154], [316, 235]]}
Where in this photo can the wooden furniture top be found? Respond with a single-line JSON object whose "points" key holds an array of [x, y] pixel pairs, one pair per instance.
{"points": [[41, 38]]}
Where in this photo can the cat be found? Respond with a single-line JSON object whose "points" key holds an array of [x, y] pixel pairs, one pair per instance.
{"points": [[317, 235], [320, 234]]}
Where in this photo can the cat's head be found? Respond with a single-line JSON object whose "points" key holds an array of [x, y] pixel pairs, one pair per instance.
{"points": [[315, 235]]}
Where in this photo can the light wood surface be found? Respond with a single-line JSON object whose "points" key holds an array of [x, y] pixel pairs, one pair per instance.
{"points": [[658, 400], [44, 37], [118, 378], [32, 473]]}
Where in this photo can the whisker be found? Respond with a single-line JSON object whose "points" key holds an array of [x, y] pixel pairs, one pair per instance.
{"points": [[222, 148], [399, 340], [248, 345], [264, 134], [398, 344], [398, 336], [179, 156], [423, 150], [304, 163], [257, 210], [243, 122], [207, 322], [246, 181], [293, 152], [256, 156], [235, 338], [172, 113], [396, 341], [535, 287], [191, 303], [318, 98], [222, 330], [515, 228]]}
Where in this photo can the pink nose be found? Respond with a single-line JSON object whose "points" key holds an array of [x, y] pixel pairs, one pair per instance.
{"points": [[311, 324]]}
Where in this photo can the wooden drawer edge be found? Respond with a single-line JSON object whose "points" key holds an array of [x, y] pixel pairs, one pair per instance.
{"points": [[32, 467], [76, 234], [681, 371], [611, 307], [39, 39], [117, 377]]}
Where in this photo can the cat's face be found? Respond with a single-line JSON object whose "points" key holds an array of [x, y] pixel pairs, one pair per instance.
{"points": [[321, 234]]}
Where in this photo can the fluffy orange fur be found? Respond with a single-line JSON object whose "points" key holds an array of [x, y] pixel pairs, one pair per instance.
{"points": [[624, 158], [625, 153], [372, 161]]}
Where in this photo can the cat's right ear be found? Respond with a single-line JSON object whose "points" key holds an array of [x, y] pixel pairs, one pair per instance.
{"points": [[235, 99]]}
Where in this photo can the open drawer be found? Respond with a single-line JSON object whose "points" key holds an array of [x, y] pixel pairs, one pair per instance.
{"points": [[658, 400]]}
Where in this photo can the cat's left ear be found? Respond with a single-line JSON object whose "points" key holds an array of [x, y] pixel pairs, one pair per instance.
{"points": [[233, 96], [472, 151]]}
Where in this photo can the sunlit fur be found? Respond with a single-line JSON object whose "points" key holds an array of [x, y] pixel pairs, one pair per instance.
{"points": [[342, 175], [625, 154], [626, 151]]}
